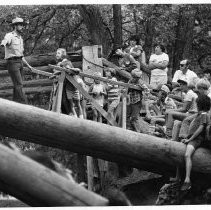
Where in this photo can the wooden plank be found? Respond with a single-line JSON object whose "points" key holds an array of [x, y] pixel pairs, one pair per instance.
{"points": [[92, 101], [81, 169], [57, 100], [90, 57], [104, 79], [40, 72], [37, 71], [92, 61], [55, 105]]}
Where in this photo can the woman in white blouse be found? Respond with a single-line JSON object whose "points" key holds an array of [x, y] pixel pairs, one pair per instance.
{"points": [[158, 63]]}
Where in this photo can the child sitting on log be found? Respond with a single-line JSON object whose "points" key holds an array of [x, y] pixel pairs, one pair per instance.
{"points": [[72, 93], [196, 136], [98, 91]]}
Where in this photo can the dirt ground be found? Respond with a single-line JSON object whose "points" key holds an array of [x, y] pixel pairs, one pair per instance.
{"points": [[144, 192]]}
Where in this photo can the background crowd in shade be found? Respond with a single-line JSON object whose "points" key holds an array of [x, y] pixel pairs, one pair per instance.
{"points": [[184, 30]]}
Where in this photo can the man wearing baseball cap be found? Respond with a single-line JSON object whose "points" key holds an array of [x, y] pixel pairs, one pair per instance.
{"points": [[13, 45], [189, 106]]}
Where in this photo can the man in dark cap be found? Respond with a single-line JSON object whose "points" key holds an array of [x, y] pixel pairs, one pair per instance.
{"points": [[13, 45], [188, 108]]}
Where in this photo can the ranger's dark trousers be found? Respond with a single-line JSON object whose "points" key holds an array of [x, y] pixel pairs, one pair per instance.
{"points": [[15, 69]]}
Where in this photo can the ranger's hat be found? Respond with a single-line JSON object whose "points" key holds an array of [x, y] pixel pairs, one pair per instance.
{"points": [[18, 20]]}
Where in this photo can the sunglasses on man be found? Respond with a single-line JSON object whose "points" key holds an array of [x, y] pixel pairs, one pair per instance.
{"points": [[182, 65]]}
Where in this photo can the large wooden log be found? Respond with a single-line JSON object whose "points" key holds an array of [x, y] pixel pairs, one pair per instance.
{"points": [[29, 83], [28, 90], [43, 59], [37, 185], [96, 139]]}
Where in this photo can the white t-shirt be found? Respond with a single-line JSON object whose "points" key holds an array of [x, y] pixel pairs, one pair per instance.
{"points": [[191, 97], [159, 59], [188, 77], [209, 93]]}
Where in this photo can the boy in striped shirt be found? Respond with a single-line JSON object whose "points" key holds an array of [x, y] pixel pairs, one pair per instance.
{"points": [[113, 94]]}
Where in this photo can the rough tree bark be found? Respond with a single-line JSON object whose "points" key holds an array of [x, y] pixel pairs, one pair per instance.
{"points": [[149, 30], [117, 19], [99, 31], [184, 35], [97, 139]]}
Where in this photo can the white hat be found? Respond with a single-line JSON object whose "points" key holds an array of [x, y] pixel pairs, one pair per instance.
{"points": [[136, 73], [17, 20], [165, 88]]}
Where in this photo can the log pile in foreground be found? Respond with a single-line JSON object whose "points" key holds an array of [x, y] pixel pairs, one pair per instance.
{"points": [[39, 186]]}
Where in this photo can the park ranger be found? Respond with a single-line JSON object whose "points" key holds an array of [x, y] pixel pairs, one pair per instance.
{"points": [[13, 45]]}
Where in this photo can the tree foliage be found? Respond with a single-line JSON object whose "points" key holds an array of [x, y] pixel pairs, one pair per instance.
{"points": [[73, 26]]}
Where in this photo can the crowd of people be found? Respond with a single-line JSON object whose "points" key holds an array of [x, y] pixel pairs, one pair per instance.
{"points": [[177, 108]]}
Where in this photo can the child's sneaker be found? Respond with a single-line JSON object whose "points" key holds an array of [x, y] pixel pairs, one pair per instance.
{"points": [[186, 186]]}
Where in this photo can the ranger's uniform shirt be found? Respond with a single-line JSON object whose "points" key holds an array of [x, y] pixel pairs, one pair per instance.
{"points": [[13, 44]]}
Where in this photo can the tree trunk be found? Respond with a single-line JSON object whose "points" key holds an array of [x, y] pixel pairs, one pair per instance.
{"points": [[39, 186], [149, 30], [117, 19], [99, 31], [184, 36], [96, 139]]}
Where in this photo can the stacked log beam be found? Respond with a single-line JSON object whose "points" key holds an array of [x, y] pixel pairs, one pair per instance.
{"points": [[43, 59], [29, 83], [28, 90], [40, 62]]}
